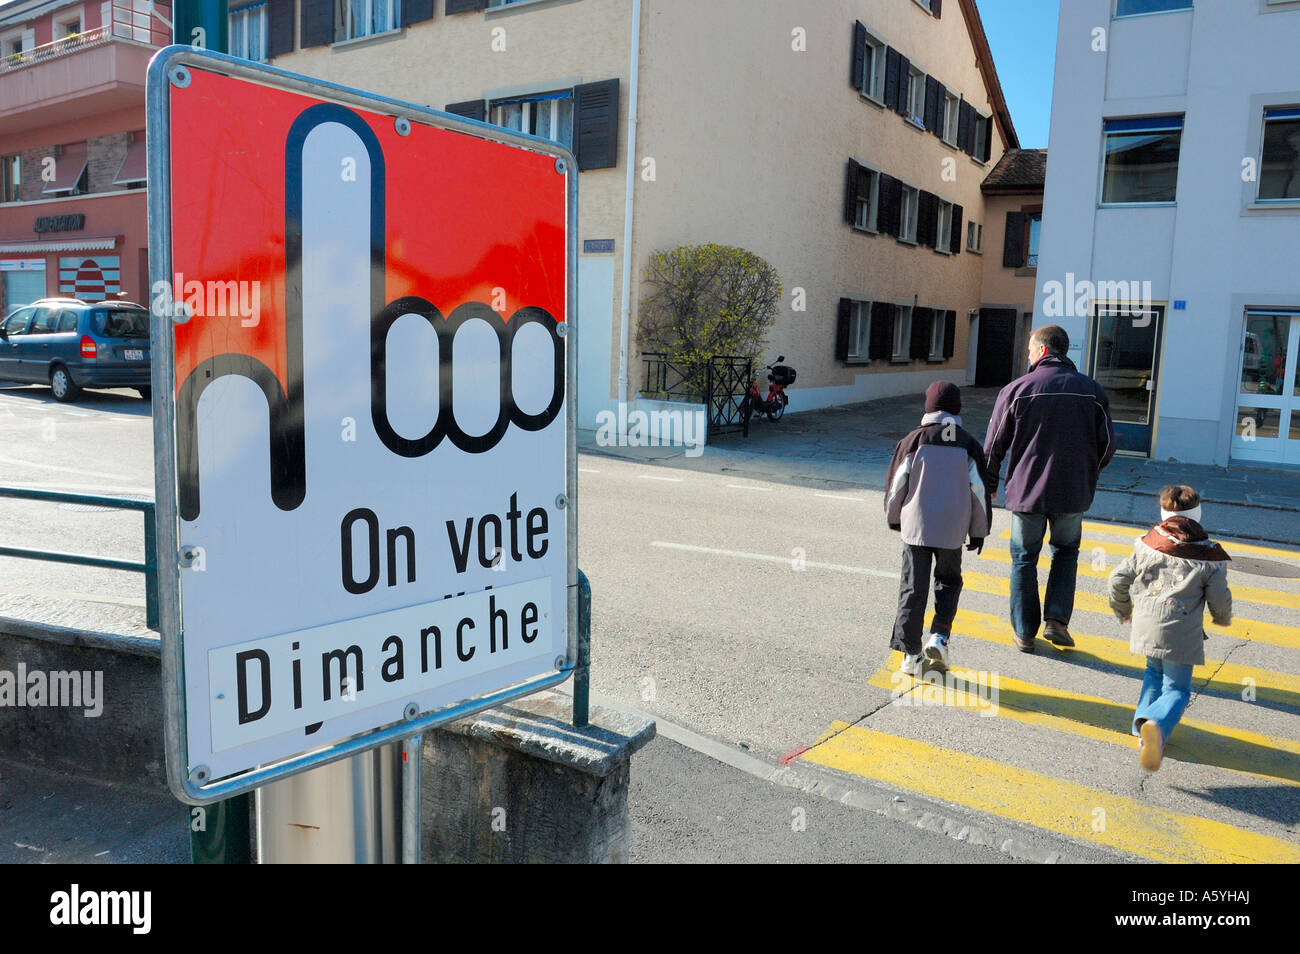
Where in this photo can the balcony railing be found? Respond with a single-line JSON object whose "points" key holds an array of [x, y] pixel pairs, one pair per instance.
{"points": [[131, 21]]}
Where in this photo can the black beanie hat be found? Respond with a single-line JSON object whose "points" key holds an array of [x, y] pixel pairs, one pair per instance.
{"points": [[943, 396]]}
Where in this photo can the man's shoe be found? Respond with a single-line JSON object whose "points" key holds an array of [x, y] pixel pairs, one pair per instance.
{"points": [[1024, 645], [1153, 745], [936, 649], [1055, 633], [911, 665]]}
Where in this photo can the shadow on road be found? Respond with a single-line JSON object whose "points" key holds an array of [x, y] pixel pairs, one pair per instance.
{"points": [[116, 401]]}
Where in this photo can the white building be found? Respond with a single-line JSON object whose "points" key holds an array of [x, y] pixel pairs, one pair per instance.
{"points": [[1175, 145]]}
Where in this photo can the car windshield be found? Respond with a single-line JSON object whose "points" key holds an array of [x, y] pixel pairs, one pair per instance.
{"points": [[121, 322]]}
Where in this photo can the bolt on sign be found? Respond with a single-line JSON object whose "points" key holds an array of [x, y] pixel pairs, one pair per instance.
{"points": [[364, 453]]}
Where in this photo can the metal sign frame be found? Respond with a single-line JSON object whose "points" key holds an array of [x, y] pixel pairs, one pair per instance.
{"points": [[166, 66]]}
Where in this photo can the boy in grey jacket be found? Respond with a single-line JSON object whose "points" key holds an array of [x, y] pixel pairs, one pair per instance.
{"points": [[1163, 587], [937, 494]]}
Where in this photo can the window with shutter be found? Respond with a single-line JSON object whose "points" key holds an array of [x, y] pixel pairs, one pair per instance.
{"points": [[893, 61], [888, 199], [858, 74], [954, 238], [465, 6], [927, 219], [949, 333], [938, 334], [279, 27], [880, 345], [859, 330], [936, 7], [933, 97], [317, 22], [851, 192], [470, 109], [900, 341], [908, 212], [416, 11], [919, 348], [915, 94], [595, 139], [1013, 242], [965, 116]]}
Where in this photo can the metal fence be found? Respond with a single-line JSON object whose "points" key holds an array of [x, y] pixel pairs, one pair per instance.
{"points": [[149, 567]]}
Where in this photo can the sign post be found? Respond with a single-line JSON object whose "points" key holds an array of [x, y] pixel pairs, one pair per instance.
{"points": [[364, 438]]}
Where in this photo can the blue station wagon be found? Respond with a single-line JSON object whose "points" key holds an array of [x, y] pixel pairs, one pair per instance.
{"points": [[70, 345]]}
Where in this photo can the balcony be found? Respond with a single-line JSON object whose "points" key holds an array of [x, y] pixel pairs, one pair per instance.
{"points": [[90, 73]]}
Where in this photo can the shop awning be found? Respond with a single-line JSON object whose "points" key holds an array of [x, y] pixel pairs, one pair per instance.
{"points": [[134, 167], [67, 169], [90, 243]]}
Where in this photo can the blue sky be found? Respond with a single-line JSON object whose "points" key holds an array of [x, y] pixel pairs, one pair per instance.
{"points": [[1022, 35]]}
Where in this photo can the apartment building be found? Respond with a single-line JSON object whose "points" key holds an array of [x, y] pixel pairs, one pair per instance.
{"points": [[1013, 227], [1172, 220], [73, 218], [844, 141]]}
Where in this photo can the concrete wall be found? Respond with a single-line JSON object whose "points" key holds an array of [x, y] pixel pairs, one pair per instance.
{"points": [[1220, 65]]}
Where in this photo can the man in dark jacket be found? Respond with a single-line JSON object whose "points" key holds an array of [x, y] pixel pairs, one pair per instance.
{"points": [[936, 496], [1054, 428]]}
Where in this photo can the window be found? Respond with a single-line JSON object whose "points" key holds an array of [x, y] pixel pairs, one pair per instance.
{"points": [[916, 95], [981, 138], [16, 324], [1133, 8], [938, 332], [902, 332], [974, 237], [859, 329], [67, 320], [11, 178], [1141, 160], [248, 32], [868, 199], [925, 4], [1279, 168], [12, 45], [548, 115], [67, 28], [368, 17], [943, 229], [908, 211], [873, 76], [951, 105], [47, 319]]}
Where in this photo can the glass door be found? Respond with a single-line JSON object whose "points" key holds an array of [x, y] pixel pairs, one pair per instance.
{"points": [[1267, 426], [1124, 358]]}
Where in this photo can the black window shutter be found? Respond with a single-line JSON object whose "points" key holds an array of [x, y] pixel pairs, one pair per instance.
{"points": [[465, 6], [904, 70], [885, 322], [940, 108], [858, 75], [920, 344], [926, 220], [842, 329], [988, 139], [882, 330], [279, 27], [965, 127], [595, 124], [892, 57], [851, 193], [1013, 243], [470, 109], [317, 22], [887, 213], [416, 11], [933, 94], [954, 243], [949, 332], [936, 7]]}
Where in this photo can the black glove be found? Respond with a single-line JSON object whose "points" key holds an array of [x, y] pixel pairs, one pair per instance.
{"points": [[976, 544]]}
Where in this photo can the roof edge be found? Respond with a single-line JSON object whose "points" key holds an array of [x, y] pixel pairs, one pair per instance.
{"points": [[984, 56]]}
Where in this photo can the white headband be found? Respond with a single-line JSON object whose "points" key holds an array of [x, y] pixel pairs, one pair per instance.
{"points": [[1193, 514]]}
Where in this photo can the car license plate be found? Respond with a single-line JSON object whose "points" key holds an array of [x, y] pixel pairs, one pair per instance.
{"points": [[134, 354]]}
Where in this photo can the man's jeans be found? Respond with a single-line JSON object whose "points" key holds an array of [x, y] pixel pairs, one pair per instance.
{"points": [[1166, 689], [914, 592], [1027, 530]]}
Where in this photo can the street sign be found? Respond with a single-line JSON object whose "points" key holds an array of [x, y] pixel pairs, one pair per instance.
{"points": [[365, 454]]}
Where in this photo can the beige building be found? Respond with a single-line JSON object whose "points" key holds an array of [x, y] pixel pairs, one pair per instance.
{"points": [[845, 141], [1013, 212]]}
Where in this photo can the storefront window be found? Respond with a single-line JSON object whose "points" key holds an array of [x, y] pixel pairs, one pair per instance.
{"points": [[1264, 353]]}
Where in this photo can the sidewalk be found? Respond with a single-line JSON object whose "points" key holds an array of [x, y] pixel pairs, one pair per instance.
{"points": [[850, 446]]}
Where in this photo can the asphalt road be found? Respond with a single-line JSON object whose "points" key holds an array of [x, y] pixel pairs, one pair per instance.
{"points": [[757, 613]]}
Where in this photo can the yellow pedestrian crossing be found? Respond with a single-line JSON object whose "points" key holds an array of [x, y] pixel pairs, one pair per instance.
{"points": [[1142, 825], [1129, 533], [1019, 795]]}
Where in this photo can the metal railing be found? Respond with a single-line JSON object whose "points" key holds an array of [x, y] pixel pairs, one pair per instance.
{"points": [[665, 380], [126, 24], [149, 567]]}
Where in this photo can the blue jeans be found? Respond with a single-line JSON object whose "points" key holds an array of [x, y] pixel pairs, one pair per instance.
{"points": [[1166, 690], [1027, 530]]}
